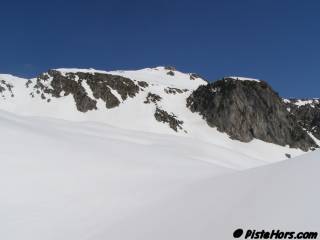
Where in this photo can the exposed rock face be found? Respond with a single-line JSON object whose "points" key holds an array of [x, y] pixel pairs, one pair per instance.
{"points": [[55, 84], [143, 84], [249, 109], [194, 76], [5, 88], [162, 115], [171, 119], [151, 97], [124, 86], [170, 73], [170, 68], [170, 90], [307, 113]]}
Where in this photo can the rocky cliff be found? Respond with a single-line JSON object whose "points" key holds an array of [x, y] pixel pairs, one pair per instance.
{"points": [[248, 109], [307, 113]]}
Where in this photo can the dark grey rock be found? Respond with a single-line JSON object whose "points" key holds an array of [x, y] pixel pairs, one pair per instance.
{"points": [[246, 110], [163, 116], [170, 90], [99, 83], [28, 83], [194, 76], [151, 97], [170, 73], [143, 84], [102, 91], [6, 87], [170, 68], [68, 85], [308, 115], [124, 86]]}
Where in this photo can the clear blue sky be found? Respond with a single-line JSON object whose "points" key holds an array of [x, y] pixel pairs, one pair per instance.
{"points": [[275, 40]]}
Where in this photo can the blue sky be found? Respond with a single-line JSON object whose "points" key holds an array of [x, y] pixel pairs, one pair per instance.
{"points": [[275, 40]]}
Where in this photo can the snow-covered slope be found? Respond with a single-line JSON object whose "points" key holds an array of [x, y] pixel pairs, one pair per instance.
{"points": [[90, 155], [91, 181], [280, 197], [155, 102]]}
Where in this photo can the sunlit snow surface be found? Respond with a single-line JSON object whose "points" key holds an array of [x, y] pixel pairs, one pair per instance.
{"points": [[134, 114], [119, 174], [74, 181], [244, 79]]}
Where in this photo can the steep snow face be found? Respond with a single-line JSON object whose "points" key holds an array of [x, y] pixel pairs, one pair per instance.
{"points": [[82, 180]]}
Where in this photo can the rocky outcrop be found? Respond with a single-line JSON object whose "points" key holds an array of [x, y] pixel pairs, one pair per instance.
{"points": [[307, 113], [194, 76], [170, 73], [143, 84], [54, 84], [162, 115], [6, 88], [170, 68], [103, 86], [152, 98], [124, 86], [174, 91], [249, 109], [171, 119]]}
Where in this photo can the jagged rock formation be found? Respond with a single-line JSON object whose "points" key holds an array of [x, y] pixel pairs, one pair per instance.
{"points": [[307, 113], [170, 73], [55, 84], [194, 76], [249, 109], [151, 97], [170, 90], [171, 119], [162, 115], [5, 87]]}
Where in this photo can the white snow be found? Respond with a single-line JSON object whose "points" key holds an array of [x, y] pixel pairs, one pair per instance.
{"points": [[244, 78], [158, 76], [134, 114], [119, 174], [282, 197], [301, 102], [91, 181], [286, 100], [306, 102]]}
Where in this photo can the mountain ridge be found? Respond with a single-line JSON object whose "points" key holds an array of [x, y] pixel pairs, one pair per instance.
{"points": [[155, 97]]}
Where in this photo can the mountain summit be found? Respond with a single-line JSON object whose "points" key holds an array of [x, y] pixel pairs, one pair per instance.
{"points": [[165, 100]]}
